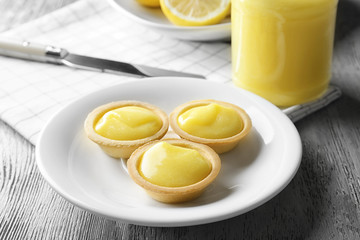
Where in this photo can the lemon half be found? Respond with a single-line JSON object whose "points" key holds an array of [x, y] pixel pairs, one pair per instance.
{"points": [[195, 12], [149, 3]]}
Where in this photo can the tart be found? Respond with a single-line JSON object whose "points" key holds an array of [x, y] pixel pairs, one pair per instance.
{"points": [[174, 170], [220, 125], [121, 127]]}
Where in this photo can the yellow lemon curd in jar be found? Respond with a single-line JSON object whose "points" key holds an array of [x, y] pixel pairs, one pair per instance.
{"points": [[282, 49], [128, 123], [211, 121], [168, 165]]}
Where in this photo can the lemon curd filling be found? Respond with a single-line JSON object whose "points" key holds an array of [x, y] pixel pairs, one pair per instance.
{"points": [[211, 121], [128, 123], [168, 165]]}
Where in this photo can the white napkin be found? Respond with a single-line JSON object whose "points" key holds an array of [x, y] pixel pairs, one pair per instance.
{"points": [[31, 92], [297, 112]]}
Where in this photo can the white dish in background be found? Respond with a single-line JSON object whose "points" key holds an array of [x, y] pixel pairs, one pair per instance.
{"points": [[154, 18], [254, 172]]}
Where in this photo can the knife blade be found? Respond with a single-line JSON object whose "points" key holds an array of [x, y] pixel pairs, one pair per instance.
{"points": [[56, 55]]}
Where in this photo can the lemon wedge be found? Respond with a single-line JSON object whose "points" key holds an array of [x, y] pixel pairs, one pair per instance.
{"points": [[149, 3], [195, 12]]}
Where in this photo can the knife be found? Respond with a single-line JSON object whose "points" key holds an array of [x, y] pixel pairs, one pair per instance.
{"points": [[56, 55]]}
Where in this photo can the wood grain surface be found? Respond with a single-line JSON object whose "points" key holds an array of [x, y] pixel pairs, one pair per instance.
{"points": [[321, 202]]}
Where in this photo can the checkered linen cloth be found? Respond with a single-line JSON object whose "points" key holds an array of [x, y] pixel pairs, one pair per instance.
{"points": [[31, 92]]}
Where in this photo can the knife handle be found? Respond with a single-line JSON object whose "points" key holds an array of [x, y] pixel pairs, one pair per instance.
{"points": [[31, 51]]}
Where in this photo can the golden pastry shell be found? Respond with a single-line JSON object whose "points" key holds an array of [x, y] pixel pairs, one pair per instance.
{"points": [[174, 194], [122, 148], [220, 145]]}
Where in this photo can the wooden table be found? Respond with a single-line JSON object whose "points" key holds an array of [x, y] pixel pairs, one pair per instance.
{"points": [[321, 202]]}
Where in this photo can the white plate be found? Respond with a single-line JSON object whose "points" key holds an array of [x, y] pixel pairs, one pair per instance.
{"points": [[154, 18], [254, 172]]}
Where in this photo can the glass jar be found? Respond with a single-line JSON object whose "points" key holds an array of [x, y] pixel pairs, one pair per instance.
{"points": [[282, 49]]}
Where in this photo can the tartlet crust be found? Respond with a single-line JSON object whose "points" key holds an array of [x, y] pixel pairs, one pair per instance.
{"points": [[220, 145], [122, 148], [174, 194]]}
